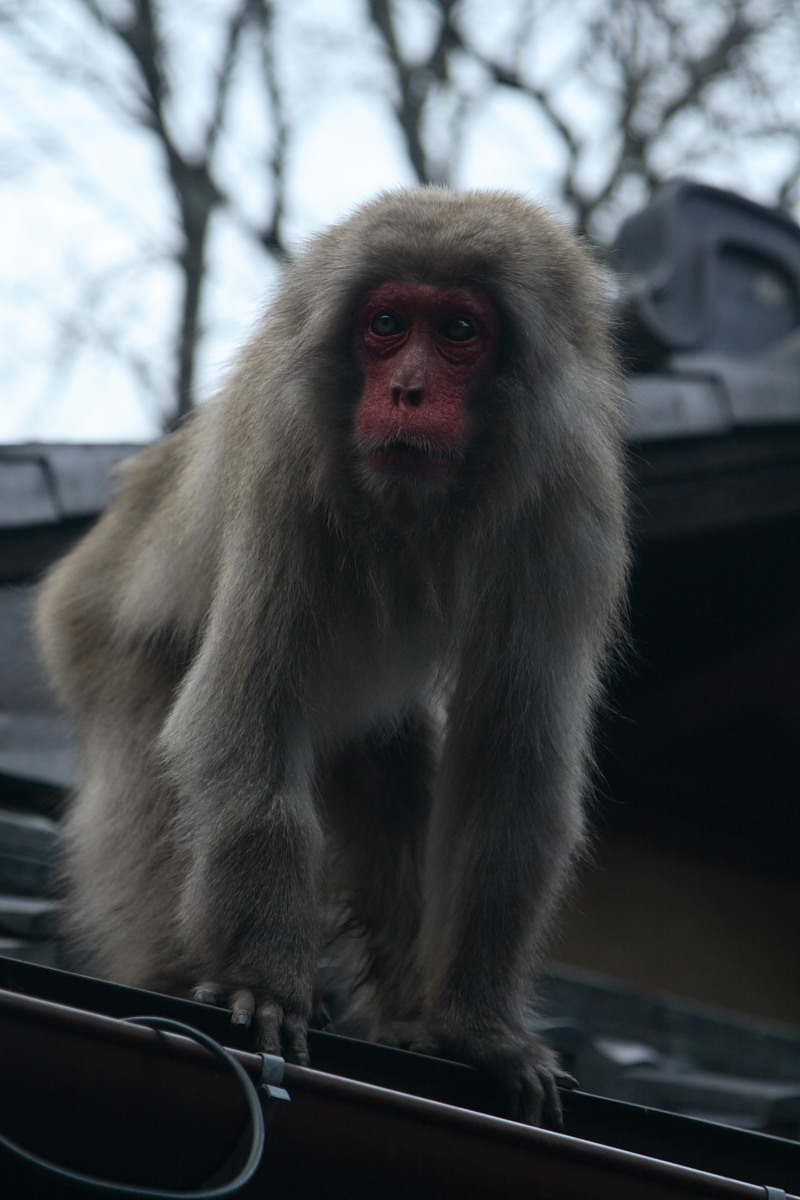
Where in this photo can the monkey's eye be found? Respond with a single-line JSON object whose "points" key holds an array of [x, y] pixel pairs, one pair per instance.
{"points": [[385, 325], [458, 329]]}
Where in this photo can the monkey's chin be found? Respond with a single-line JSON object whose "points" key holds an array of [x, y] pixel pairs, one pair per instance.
{"points": [[407, 460]]}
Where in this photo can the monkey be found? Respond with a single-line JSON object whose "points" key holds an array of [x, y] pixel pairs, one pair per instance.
{"points": [[335, 650]]}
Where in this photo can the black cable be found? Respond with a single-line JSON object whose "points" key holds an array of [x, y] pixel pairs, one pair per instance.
{"points": [[109, 1188]]}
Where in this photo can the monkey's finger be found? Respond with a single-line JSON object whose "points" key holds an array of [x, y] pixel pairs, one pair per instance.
{"points": [[269, 1018], [531, 1103], [295, 1039], [243, 1005], [207, 993], [553, 1112], [540, 1102]]}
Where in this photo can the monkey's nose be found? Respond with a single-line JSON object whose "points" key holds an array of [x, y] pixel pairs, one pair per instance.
{"points": [[407, 396]]}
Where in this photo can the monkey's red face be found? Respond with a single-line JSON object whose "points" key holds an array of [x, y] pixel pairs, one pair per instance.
{"points": [[424, 351]]}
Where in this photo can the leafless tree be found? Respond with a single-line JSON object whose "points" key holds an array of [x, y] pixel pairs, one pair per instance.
{"points": [[196, 184], [653, 68], [624, 95]]}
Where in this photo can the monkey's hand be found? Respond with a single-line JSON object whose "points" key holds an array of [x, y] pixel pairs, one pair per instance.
{"points": [[281, 1025], [518, 1058]]}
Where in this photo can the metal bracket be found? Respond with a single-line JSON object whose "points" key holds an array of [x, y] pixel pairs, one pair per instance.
{"points": [[272, 1070]]}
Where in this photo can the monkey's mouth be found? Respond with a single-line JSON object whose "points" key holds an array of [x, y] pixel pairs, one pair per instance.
{"points": [[406, 457]]}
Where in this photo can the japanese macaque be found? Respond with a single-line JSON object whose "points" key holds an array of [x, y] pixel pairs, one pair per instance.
{"points": [[336, 645]]}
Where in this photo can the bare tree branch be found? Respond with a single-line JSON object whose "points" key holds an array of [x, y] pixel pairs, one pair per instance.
{"points": [[196, 191], [269, 234], [416, 81], [717, 60], [413, 86], [654, 68]]}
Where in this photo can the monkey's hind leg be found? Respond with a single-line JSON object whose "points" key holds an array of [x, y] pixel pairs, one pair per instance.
{"points": [[376, 800], [120, 879]]}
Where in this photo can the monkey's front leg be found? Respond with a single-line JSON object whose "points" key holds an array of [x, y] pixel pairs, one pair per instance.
{"points": [[250, 913], [503, 832]]}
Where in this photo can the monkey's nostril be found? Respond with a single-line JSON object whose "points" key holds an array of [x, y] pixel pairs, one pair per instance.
{"points": [[407, 397]]}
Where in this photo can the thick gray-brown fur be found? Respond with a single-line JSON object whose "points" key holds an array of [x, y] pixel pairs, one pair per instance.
{"points": [[259, 637]]}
